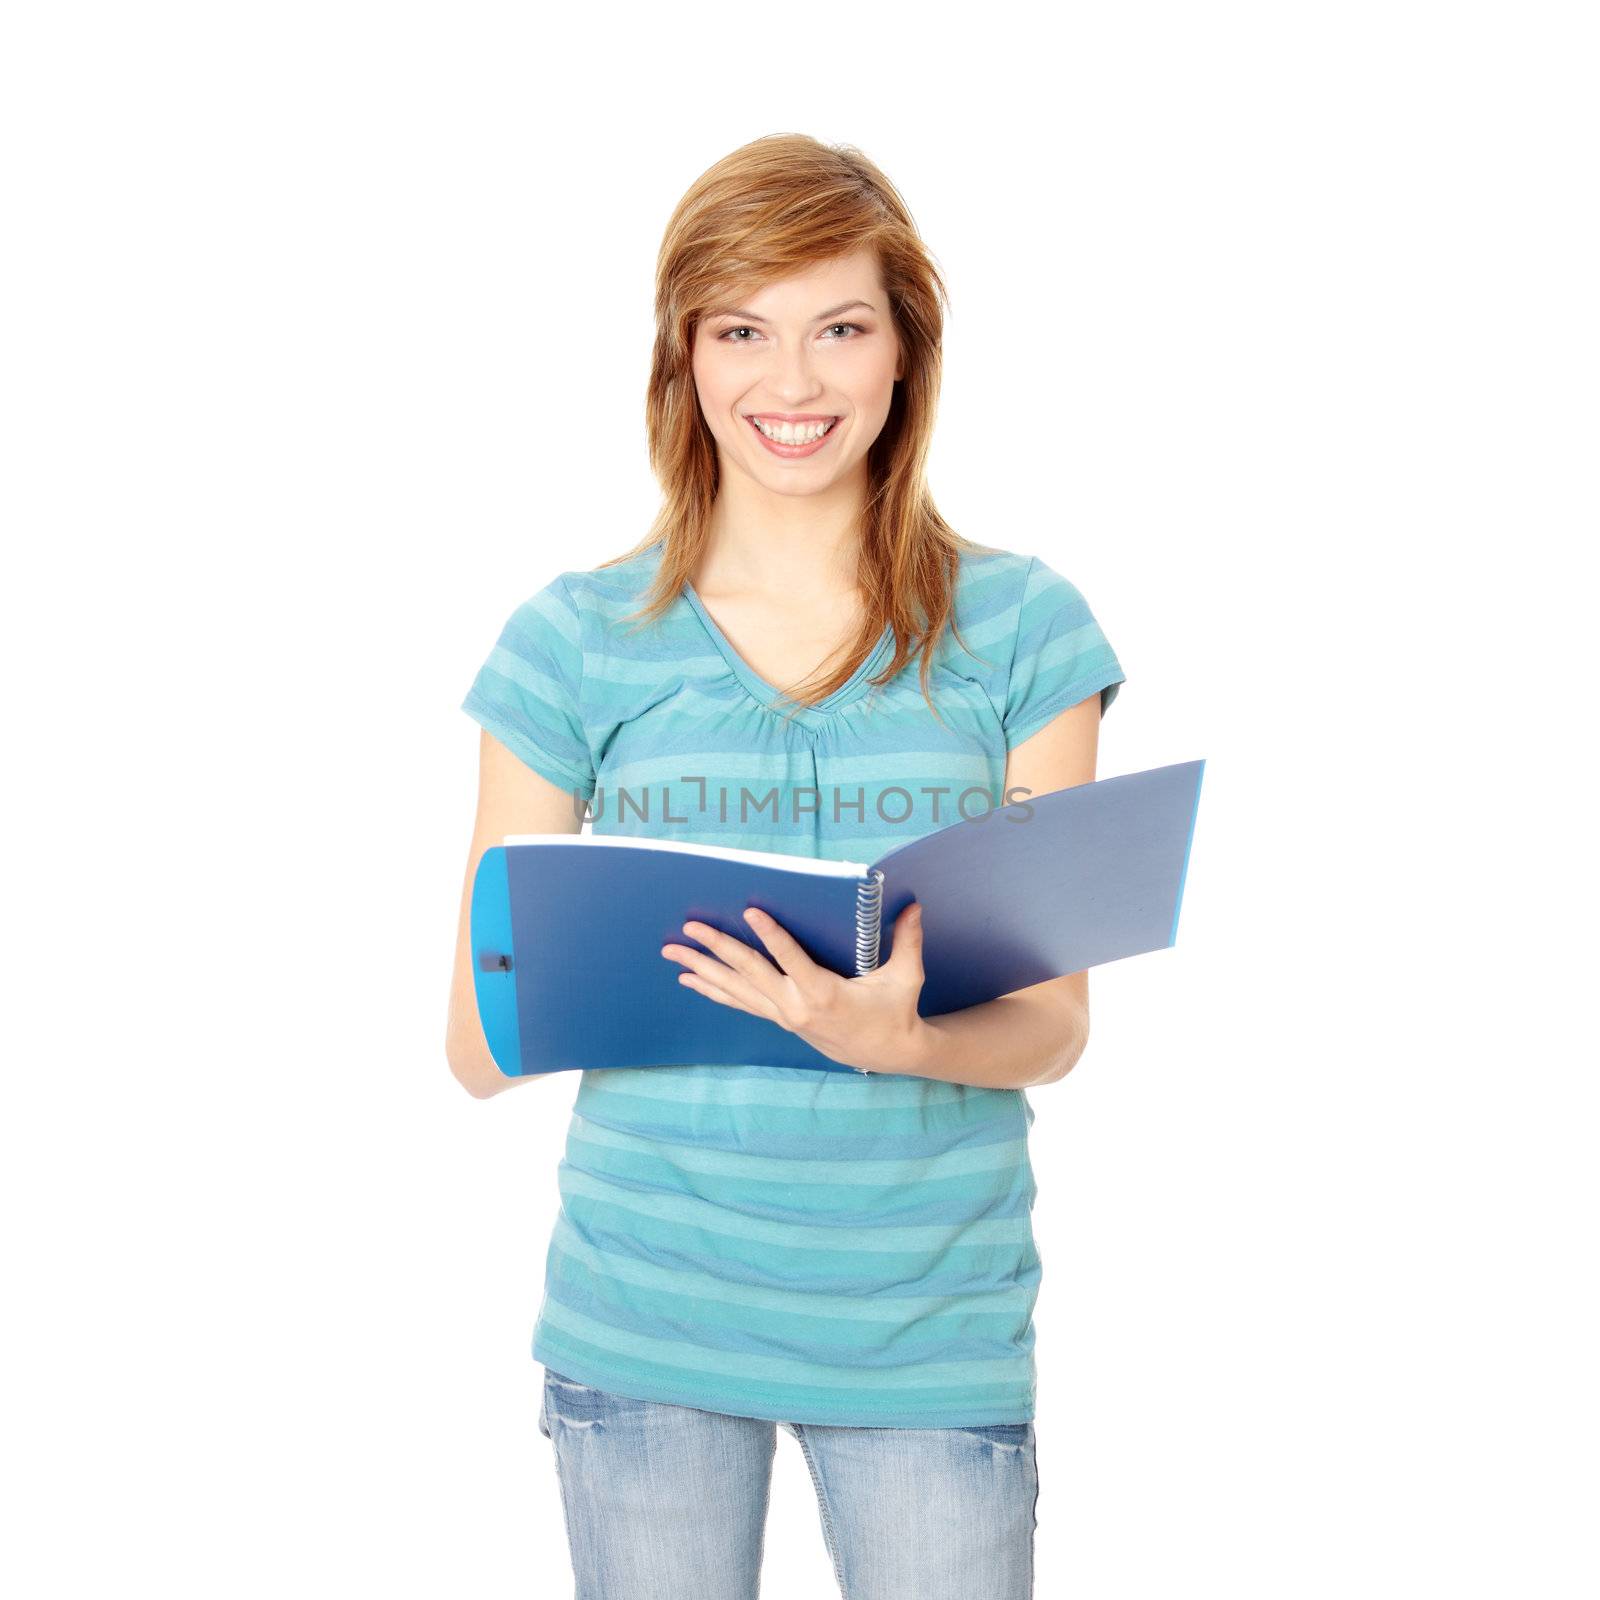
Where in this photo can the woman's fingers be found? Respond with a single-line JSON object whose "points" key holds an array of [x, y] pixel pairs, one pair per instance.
{"points": [[732, 952], [782, 945], [746, 1000], [740, 977]]}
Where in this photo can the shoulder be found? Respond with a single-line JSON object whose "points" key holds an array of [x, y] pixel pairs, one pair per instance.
{"points": [[1002, 596], [1015, 578], [989, 584], [980, 638], [580, 604], [602, 596], [1032, 641]]}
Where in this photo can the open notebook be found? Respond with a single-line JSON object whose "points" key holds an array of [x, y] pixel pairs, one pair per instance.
{"points": [[567, 929]]}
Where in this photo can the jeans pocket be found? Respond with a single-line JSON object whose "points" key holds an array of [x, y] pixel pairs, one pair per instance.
{"points": [[562, 1381], [1019, 1435]]}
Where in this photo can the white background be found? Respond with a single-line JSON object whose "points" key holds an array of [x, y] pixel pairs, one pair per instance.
{"points": [[326, 331]]}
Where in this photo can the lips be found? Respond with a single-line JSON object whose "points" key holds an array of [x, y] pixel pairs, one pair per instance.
{"points": [[794, 452]]}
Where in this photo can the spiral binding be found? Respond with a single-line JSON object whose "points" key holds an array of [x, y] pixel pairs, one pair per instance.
{"points": [[869, 920]]}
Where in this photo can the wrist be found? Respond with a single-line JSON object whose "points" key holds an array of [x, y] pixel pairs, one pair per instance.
{"points": [[916, 1050], [920, 1049]]}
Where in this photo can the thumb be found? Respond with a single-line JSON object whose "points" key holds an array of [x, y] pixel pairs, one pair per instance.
{"points": [[908, 934]]}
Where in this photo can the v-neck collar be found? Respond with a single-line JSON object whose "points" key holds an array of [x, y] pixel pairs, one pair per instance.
{"points": [[758, 687]]}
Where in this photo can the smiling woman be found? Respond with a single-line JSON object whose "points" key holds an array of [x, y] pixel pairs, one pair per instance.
{"points": [[802, 657], [776, 377]]}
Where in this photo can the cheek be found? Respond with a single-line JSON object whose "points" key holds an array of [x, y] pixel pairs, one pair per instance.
{"points": [[876, 394], [715, 388], [873, 378]]}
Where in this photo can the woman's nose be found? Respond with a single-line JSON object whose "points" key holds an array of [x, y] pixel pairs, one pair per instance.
{"points": [[795, 376]]}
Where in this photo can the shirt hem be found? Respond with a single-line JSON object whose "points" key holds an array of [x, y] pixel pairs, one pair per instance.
{"points": [[824, 1416], [1101, 679], [548, 766]]}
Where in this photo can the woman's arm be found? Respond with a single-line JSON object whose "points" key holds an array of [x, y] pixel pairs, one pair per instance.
{"points": [[1035, 1035], [512, 798], [871, 1022]]}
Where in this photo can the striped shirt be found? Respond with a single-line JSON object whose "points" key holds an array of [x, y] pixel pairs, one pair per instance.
{"points": [[780, 1242]]}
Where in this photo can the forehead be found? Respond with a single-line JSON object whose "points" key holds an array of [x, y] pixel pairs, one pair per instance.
{"points": [[807, 291]]}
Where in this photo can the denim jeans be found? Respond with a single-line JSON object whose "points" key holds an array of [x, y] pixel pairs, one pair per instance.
{"points": [[667, 1502]]}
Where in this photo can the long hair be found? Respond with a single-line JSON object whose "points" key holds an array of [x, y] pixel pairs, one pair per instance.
{"points": [[775, 207]]}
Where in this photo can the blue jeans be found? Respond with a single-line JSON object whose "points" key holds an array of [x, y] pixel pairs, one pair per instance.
{"points": [[667, 1502]]}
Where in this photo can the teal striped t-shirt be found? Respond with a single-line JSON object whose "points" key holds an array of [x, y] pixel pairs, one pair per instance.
{"points": [[779, 1242]]}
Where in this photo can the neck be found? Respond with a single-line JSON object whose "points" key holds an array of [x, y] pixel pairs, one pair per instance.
{"points": [[803, 547]]}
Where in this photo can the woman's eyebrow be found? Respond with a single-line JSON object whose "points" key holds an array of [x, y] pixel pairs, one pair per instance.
{"points": [[750, 316]]}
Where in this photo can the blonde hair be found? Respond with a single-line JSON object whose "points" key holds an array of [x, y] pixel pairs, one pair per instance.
{"points": [[774, 207]]}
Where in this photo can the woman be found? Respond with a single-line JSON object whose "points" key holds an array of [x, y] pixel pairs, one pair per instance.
{"points": [[847, 1256]]}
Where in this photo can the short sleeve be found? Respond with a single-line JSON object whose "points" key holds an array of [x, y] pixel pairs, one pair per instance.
{"points": [[528, 691], [1061, 655]]}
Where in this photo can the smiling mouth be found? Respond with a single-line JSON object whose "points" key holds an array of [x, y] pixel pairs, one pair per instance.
{"points": [[793, 433]]}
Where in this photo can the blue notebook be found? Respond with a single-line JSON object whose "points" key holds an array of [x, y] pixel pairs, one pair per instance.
{"points": [[567, 929]]}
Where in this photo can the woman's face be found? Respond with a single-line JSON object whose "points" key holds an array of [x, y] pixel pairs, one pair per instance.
{"points": [[814, 349]]}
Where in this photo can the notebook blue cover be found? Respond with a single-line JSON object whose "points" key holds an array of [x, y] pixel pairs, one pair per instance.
{"points": [[567, 929]]}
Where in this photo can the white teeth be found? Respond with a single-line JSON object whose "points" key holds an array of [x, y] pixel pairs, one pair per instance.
{"points": [[792, 432]]}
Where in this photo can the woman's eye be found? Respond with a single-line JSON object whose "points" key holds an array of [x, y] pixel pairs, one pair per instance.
{"points": [[728, 333]]}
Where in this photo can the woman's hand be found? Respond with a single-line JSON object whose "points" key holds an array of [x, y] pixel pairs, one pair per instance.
{"points": [[870, 1022]]}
